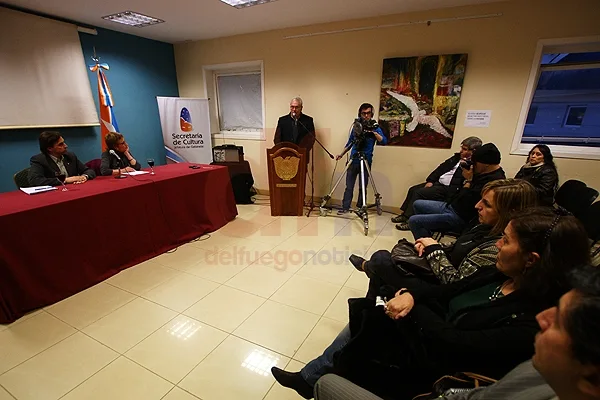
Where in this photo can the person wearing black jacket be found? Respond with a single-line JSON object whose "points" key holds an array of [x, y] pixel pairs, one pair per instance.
{"points": [[540, 171], [446, 179], [566, 363], [484, 323], [454, 214], [112, 165], [296, 127], [55, 160], [473, 250]]}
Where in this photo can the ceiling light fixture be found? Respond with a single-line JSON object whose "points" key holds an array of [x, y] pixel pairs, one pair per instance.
{"points": [[246, 3], [132, 18]]}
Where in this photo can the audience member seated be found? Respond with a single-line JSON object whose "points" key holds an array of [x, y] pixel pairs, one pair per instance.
{"points": [[473, 250], [540, 171], [566, 363], [113, 165], [445, 180], [452, 216], [485, 322], [54, 161]]}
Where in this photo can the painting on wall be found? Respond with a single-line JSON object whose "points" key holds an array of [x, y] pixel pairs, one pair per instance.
{"points": [[419, 99]]}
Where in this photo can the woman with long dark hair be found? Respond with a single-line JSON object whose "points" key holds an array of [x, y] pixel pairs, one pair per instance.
{"points": [[540, 171], [483, 323]]}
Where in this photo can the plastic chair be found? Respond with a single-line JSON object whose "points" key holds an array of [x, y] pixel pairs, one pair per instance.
{"points": [[21, 178], [94, 165], [575, 196]]}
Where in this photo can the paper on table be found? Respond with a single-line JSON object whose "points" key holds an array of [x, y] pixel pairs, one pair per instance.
{"points": [[137, 173], [37, 189]]}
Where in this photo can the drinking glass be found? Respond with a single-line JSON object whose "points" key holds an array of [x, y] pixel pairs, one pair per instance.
{"points": [[151, 164], [61, 177]]}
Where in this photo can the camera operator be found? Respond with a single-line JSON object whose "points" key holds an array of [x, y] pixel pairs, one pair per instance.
{"points": [[296, 127], [365, 145]]}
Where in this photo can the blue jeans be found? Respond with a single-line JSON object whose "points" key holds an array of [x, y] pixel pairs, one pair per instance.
{"points": [[351, 175], [433, 216], [324, 363]]}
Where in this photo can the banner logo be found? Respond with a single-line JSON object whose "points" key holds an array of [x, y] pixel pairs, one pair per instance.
{"points": [[185, 127], [185, 120]]}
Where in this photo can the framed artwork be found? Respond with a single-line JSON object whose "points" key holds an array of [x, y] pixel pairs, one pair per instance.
{"points": [[419, 99]]}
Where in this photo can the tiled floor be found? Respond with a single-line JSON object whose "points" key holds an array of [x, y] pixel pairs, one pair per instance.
{"points": [[206, 321]]}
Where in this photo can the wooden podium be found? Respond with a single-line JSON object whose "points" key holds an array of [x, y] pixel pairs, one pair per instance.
{"points": [[287, 177]]}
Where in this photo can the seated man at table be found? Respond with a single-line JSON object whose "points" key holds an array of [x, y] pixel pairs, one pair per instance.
{"points": [[54, 160]]}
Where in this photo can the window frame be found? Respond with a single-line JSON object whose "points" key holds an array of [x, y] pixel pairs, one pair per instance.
{"points": [[552, 46], [211, 72]]}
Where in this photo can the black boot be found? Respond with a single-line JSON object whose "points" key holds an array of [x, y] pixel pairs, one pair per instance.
{"points": [[357, 261], [293, 380], [399, 218]]}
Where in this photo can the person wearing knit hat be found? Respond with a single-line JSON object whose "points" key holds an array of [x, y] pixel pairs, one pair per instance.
{"points": [[459, 210], [441, 183], [487, 154]]}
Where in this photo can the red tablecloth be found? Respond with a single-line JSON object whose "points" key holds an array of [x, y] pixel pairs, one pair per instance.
{"points": [[55, 244]]}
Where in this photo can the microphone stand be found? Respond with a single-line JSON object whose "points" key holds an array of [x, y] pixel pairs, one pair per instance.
{"points": [[312, 167]]}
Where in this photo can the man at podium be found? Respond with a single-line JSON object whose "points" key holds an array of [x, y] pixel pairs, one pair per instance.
{"points": [[296, 127]]}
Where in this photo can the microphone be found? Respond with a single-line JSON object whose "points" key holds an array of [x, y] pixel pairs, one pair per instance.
{"points": [[294, 114], [120, 176], [115, 154]]}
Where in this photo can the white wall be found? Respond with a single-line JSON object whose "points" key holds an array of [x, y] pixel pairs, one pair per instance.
{"points": [[335, 73]]}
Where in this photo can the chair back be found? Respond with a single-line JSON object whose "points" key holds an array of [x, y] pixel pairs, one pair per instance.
{"points": [[575, 196], [21, 178], [591, 221], [94, 165]]}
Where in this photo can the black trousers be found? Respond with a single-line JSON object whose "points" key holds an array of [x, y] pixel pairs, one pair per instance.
{"points": [[385, 278], [437, 192]]}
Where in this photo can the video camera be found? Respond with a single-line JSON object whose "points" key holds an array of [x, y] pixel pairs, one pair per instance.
{"points": [[466, 164], [363, 129]]}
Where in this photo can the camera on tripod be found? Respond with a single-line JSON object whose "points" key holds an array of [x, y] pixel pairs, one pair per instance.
{"points": [[363, 129]]}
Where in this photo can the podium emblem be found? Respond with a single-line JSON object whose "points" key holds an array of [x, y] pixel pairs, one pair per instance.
{"points": [[286, 168]]}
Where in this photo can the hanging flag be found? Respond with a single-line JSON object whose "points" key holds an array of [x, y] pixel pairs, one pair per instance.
{"points": [[107, 115]]}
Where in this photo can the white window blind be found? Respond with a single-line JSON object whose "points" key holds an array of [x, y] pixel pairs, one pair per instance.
{"points": [[240, 102], [43, 75]]}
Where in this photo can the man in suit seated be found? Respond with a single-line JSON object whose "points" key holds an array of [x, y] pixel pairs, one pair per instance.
{"points": [[444, 181], [54, 160], [296, 127], [456, 212], [566, 363]]}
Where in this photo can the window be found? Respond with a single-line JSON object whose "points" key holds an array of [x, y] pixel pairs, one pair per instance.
{"points": [[574, 116], [562, 104], [236, 100]]}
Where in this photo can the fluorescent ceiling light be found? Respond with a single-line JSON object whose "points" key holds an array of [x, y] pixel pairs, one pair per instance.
{"points": [[132, 18], [246, 3]]}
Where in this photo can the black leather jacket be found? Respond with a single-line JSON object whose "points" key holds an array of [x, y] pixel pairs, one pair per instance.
{"points": [[544, 179]]}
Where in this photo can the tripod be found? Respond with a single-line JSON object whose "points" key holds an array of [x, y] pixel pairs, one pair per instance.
{"points": [[362, 211]]}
